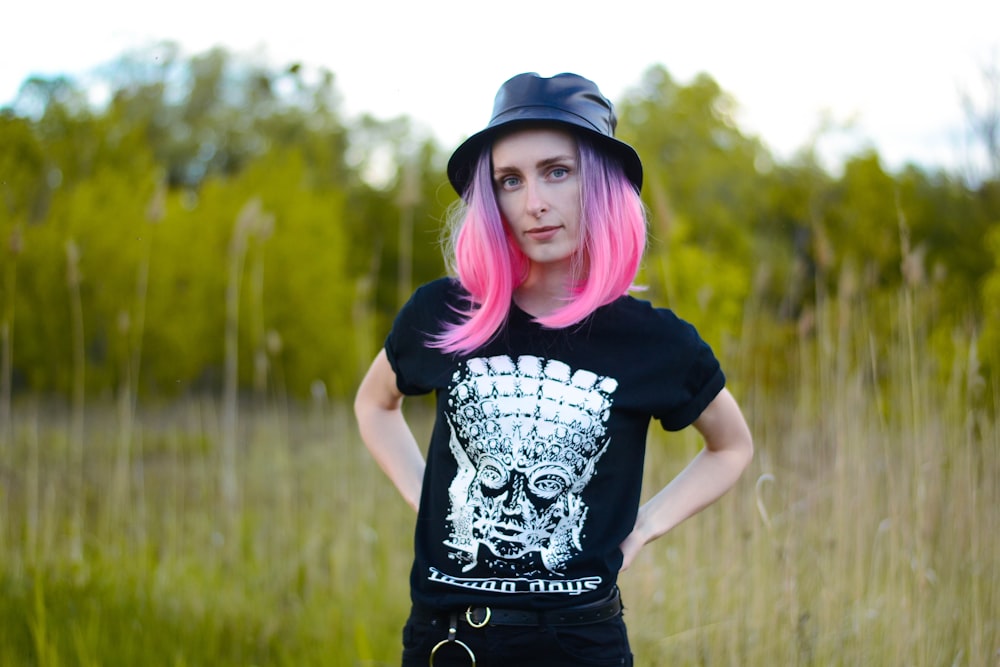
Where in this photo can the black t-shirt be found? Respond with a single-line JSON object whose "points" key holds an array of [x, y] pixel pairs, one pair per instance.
{"points": [[534, 467]]}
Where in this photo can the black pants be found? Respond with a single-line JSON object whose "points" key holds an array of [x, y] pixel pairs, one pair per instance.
{"points": [[602, 644]]}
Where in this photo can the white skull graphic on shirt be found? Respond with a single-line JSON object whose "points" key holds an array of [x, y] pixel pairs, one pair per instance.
{"points": [[527, 435]]}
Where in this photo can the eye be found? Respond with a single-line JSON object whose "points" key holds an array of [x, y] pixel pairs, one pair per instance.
{"points": [[508, 182], [559, 173], [548, 481], [491, 474]]}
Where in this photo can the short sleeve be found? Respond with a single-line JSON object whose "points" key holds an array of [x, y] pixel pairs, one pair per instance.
{"points": [[419, 369], [697, 377], [702, 384]]}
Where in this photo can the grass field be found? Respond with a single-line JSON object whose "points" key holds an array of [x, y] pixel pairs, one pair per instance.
{"points": [[866, 531]]}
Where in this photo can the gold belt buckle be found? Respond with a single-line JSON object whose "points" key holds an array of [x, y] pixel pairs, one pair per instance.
{"points": [[452, 631], [477, 624]]}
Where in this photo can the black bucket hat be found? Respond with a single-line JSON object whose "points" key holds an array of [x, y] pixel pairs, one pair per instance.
{"points": [[564, 98]]}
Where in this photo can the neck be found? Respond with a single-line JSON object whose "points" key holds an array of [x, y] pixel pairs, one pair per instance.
{"points": [[545, 290]]}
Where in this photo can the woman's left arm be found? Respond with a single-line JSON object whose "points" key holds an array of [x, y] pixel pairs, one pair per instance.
{"points": [[728, 450]]}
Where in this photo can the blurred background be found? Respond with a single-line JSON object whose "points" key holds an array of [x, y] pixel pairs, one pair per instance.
{"points": [[209, 218]]}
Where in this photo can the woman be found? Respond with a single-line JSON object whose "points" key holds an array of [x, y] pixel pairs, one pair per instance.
{"points": [[547, 375]]}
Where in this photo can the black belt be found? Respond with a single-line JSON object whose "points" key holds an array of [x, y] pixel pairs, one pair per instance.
{"points": [[478, 617]]}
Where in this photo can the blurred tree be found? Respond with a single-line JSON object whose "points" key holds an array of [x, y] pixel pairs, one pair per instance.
{"points": [[861, 223], [104, 217], [706, 194], [798, 256], [398, 200], [694, 151], [23, 173], [22, 187], [948, 223], [990, 343], [147, 186], [215, 112], [306, 294]]}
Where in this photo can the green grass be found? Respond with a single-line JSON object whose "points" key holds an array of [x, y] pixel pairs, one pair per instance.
{"points": [[295, 575], [865, 533]]}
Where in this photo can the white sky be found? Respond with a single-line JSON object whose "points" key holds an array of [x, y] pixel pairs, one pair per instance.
{"points": [[895, 68]]}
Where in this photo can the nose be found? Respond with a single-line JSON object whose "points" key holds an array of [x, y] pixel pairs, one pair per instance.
{"points": [[516, 501], [534, 200]]}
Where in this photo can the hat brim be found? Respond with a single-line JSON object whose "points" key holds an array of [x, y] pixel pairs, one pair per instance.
{"points": [[462, 163]]}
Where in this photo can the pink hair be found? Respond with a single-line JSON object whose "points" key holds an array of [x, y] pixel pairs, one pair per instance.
{"points": [[489, 265]]}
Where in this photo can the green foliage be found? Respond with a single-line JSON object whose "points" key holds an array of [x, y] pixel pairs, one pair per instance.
{"points": [[103, 216], [991, 306], [697, 161], [705, 197], [130, 212], [736, 236], [401, 197], [861, 222], [703, 285], [305, 293], [22, 171], [215, 114]]}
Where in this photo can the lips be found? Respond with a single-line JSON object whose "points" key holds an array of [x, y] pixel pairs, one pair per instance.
{"points": [[542, 233]]}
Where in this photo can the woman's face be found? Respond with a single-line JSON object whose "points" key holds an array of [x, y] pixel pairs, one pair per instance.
{"points": [[537, 183]]}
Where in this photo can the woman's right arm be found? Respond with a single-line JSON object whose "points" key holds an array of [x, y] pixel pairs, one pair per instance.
{"points": [[378, 408]]}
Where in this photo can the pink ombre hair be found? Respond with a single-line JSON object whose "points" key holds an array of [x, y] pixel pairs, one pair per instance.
{"points": [[487, 261]]}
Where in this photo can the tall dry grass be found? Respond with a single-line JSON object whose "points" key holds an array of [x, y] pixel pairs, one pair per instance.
{"points": [[865, 533]]}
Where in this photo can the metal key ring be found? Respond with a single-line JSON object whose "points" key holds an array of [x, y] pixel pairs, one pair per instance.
{"points": [[452, 632], [477, 624], [451, 640]]}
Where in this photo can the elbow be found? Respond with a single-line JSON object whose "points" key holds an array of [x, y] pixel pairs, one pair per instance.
{"points": [[377, 392], [744, 450], [739, 453], [366, 410], [748, 451], [360, 404], [365, 407], [372, 405], [743, 444]]}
